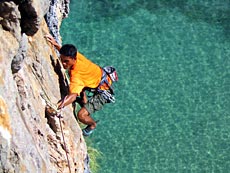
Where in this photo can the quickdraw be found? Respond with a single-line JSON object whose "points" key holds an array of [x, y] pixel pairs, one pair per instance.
{"points": [[110, 72]]}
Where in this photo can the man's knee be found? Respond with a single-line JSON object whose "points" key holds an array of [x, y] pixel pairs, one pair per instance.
{"points": [[82, 113]]}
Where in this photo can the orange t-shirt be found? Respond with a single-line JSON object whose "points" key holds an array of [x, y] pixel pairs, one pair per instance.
{"points": [[83, 74]]}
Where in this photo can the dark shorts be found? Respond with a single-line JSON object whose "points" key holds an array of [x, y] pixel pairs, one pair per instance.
{"points": [[95, 103]]}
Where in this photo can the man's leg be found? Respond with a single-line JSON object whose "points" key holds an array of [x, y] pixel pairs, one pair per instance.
{"points": [[84, 117], [95, 103]]}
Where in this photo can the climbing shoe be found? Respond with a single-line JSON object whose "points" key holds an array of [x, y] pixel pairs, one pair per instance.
{"points": [[87, 131]]}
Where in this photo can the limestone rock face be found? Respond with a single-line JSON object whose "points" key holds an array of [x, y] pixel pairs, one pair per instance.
{"points": [[10, 18], [31, 139], [55, 15], [32, 13]]}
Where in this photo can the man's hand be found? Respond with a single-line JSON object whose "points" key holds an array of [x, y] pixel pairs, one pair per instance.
{"points": [[50, 39], [67, 100]]}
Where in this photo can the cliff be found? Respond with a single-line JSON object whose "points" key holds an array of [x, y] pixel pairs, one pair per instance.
{"points": [[31, 139]]}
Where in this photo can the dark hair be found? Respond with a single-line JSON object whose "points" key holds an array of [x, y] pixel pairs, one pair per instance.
{"points": [[69, 50]]}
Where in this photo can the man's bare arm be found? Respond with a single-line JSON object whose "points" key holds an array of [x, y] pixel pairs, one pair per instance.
{"points": [[68, 100], [50, 39]]}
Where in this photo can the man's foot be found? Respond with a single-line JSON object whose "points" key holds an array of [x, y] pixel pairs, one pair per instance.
{"points": [[87, 131]]}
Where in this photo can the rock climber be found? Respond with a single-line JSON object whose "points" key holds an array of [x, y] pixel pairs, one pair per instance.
{"points": [[85, 75]]}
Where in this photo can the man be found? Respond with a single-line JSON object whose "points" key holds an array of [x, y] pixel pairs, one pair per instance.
{"points": [[84, 74]]}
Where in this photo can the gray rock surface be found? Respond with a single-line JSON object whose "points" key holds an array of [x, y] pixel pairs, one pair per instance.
{"points": [[30, 136]]}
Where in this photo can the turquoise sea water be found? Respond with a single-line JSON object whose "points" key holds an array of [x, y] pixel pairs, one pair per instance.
{"points": [[172, 113]]}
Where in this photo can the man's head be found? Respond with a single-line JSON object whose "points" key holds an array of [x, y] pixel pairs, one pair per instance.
{"points": [[68, 55]]}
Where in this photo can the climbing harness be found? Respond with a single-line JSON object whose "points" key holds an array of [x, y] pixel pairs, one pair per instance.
{"points": [[110, 72]]}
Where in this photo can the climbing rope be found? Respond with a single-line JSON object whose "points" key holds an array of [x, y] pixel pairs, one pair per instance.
{"points": [[58, 113], [65, 148]]}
